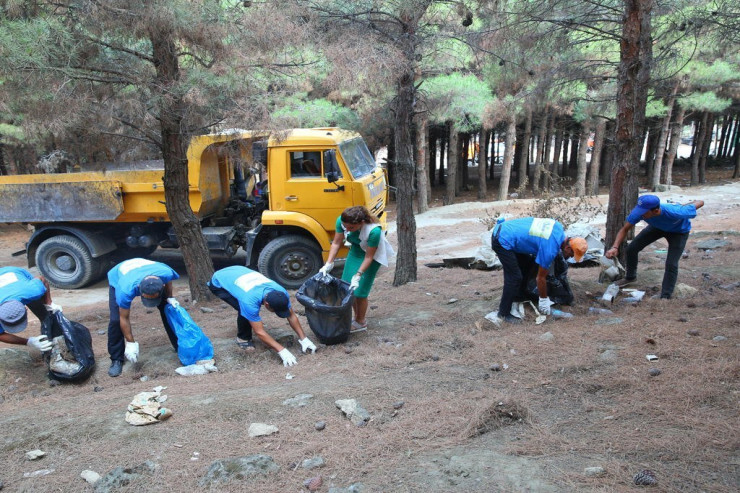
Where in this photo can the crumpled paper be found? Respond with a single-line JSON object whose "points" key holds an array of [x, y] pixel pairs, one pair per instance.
{"points": [[146, 408], [201, 367]]}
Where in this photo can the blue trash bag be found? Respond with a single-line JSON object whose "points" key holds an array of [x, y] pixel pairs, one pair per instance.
{"points": [[192, 344], [328, 303], [79, 345]]}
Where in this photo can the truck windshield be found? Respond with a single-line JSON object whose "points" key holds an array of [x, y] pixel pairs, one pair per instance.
{"points": [[357, 157]]}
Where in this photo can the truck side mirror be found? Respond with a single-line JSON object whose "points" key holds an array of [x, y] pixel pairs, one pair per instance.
{"points": [[331, 168]]}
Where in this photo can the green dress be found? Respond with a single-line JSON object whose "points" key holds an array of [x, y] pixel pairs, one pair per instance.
{"points": [[356, 256]]}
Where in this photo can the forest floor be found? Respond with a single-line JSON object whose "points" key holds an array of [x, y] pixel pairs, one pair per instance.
{"points": [[455, 404]]}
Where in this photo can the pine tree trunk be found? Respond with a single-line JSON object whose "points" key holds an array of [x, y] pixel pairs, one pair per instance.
{"points": [[523, 173], [731, 141], [460, 160], [652, 144], [632, 84], [503, 189], [558, 151], [704, 149], [174, 152], [581, 164], [575, 138], [596, 152], [698, 145], [452, 156], [548, 150], [676, 129], [539, 160], [465, 153], [444, 156], [422, 150], [482, 164], [723, 136], [432, 161], [662, 140]]}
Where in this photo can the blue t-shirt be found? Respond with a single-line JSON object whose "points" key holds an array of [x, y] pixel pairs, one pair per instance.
{"points": [[18, 284], [126, 277], [534, 236], [673, 218], [248, 287]]}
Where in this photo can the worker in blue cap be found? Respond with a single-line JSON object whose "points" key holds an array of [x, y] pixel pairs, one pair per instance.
{"points": [[669, 221]]}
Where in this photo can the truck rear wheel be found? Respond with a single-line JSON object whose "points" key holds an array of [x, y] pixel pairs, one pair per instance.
{"points": [[290, 260], [66, 262]]}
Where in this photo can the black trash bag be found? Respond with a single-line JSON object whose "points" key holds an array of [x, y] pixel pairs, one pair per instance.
{"points": [[558, 288], [72, 358], [328, 303]]}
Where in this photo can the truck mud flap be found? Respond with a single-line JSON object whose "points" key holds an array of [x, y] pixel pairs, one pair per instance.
{"points": [[55, 202]]}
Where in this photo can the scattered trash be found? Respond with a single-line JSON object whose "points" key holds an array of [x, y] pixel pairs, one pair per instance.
{"points": [[560, 314], [600, 311], [90, 476], [146, 408], [261, 430], [611, 269], [40, 472], [651, 357], [35, 454], [611, 292], [202, 367], [634, 295], [289, 376]]}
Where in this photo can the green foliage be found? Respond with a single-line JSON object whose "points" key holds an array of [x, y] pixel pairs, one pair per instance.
{"points": [[460, 98], [299, 112], [705, 101], [8, 132]]}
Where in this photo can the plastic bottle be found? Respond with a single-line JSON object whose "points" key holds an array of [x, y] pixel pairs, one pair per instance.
{"points": [[560, 314], [600, 311]]}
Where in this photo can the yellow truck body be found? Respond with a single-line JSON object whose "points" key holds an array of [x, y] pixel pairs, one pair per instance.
{"points": [[276, 196]]}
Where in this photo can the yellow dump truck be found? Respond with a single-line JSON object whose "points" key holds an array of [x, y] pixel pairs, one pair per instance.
{"points": [[277, 197]]}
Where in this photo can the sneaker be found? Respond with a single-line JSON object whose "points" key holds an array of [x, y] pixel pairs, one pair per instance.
{"points": [[116, 367], [511, 319], [624, 282]]}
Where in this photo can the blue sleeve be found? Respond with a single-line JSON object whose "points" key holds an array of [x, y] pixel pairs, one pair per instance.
{"points": [[687, 211], [633, 219]]}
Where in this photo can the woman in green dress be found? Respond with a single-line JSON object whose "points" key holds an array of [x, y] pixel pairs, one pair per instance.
{"points": [[368, 251]]}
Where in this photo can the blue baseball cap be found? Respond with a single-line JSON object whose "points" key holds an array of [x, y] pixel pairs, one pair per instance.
{"points": [[645, 203], [279, 303], [13, 317], [152, 286]]}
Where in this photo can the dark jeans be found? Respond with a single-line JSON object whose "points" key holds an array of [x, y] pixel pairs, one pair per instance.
{"points": [[116, 342], [243, 327], [676, 245], [516, 270], [37, 308]]}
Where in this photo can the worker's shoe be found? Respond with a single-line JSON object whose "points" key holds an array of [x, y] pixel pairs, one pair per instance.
{"points": [[116, 367], [624, 282]]}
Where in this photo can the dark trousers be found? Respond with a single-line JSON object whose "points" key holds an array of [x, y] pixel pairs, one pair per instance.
{"points": [[243, 327], [676, 245], [116, 341], [37, 308], [517, 267]]}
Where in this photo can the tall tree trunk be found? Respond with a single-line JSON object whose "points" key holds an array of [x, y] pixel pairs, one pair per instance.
{"points": [[444, 155], [524, 152], [465, 152], [422, 175], [461, 161], [732, 139], [482, 163], [723, 136], [676, 129], [175, 142], [432, 160], [3, 168], [596, 152], [581, 164], [632, 85], [539, 159], [557, 152], [452, 159], [567, 134], [704, 149], [573, 159], [548, 149], [664, 131], [698, 144], [736, 144], [503, 188]]}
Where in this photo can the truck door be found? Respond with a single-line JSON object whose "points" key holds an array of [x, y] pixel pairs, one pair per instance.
{"points": [[305, 188]]}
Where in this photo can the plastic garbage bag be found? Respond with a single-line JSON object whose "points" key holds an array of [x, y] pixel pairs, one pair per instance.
{"points": [[558, 287], [484, 254], [593, 239], [192, 344], [611, 269], [328, 303], [72, 358]]}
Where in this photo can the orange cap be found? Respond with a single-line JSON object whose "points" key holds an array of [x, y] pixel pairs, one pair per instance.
{"points": [[579, 247]]}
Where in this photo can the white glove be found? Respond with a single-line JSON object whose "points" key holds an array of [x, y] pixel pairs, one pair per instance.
{"points": [[355, 281], [132, 351], [544, 306], [41, 343], [287, 357], [306, 344], [173, 302], [53, 307], [327, 268]]}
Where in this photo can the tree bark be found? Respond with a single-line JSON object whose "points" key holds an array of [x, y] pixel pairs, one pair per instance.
{"points": [[558, 151], [174, 152], [664, 131], [422, 149], [548, 150], [581, 164], [596, 152], [698, 145], [503, 189], [523, 174], [452, 155], [706, 144], [482, 162], [539, 160], [632, 84], [432, 161]]}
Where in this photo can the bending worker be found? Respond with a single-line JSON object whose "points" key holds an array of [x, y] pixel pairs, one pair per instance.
{"points": [[247, 292], [669, 221], [517, 243], [127, 280], [18, 290]]}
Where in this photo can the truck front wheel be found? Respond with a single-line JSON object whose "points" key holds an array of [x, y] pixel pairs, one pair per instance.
{"points": [[66, 262], [290, 260]]}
